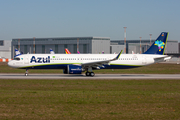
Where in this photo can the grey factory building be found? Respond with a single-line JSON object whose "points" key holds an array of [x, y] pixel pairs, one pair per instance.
{"points": [[5, 48], [43, 45], [91, 45], [134, 46]]}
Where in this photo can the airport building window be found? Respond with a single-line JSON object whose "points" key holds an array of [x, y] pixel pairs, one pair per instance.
{"points": [[56, 48], [1, 43], [35, 49], [65, 46], [25, 49], [43, 48], [75, 48], [84, 48]]}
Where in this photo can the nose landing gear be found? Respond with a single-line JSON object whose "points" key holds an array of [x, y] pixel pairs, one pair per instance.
{"points": [[26, 73]]}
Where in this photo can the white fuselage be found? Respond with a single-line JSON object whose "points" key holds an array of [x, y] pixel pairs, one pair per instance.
{"points": [[46, 60]]}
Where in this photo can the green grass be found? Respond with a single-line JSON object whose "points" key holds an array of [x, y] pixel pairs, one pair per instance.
{"points": [[90, 99], [151, 69]]}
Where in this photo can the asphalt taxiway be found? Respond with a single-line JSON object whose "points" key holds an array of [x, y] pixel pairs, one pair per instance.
{"points": [[97, 76]]}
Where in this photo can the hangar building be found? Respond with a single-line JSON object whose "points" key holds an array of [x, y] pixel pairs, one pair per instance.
{"points": [[134, 46], [43, 45], [5, 49], [91, 45]]}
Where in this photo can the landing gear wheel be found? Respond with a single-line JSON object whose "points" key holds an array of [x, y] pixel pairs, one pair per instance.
{"points": [[26, 73], [87, 73], [92, 74]]}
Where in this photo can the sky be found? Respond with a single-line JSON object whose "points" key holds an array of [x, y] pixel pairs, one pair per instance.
{"points": [[87, 18]]}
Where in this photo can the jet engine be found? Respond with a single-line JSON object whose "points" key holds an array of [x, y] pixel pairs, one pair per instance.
{"points": [[73, 69]]}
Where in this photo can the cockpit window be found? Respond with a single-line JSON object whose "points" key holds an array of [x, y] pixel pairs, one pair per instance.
{"points": [[16, 58]]}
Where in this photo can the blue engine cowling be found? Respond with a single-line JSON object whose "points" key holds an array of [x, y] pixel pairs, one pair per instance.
{"points": [[73, 69]]}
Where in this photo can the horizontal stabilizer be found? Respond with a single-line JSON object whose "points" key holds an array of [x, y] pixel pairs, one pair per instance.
{"points": [[162, 59]]}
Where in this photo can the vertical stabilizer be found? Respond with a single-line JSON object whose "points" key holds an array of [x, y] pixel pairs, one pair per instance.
{"points": [[51, 51], [158, 47], [17, 53], [67, 51]]}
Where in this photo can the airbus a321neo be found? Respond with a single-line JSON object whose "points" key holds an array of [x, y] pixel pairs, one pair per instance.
{"points": [[78, 63]]}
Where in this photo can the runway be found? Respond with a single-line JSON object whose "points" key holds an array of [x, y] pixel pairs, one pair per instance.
{"points": [[97, 76]]}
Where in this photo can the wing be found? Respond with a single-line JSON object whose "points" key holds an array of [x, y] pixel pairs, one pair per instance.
{"points": [[96, 64]]}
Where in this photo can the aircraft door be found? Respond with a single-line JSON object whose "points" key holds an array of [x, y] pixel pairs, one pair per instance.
{"points": [[26, 59], [144, 60]]}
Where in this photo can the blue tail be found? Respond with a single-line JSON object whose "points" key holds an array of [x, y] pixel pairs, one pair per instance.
{"points": [[17, 52], [158, 47], [51, 51]]}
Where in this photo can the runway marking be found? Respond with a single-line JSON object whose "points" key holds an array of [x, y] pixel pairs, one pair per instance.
{"points": [[97, 76]]}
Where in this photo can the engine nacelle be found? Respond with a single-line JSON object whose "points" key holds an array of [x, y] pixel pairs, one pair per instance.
{"points": [[73, 69]]}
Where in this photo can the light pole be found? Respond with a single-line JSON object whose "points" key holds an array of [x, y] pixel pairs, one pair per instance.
{"points": [[19, 44], [125, 40], [140, 44], [34, 45], [150, 38]]}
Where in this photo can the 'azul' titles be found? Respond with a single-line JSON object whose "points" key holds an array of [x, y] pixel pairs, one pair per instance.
{"points": [[40, 59]]}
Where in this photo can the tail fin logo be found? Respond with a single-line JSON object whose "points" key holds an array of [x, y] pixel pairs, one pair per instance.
{"points": [[159, 44]]}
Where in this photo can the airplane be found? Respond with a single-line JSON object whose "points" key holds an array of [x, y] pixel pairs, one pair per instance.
{"points": [[78, 63], [67, 51], [17, 53], [51, 51]]}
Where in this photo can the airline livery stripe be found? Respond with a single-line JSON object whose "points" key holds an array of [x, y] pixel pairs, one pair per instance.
{"points": [[51, 64], [72, 64]]}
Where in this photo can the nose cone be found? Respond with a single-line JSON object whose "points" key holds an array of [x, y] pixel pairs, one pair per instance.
{"points": [[10, 64]]}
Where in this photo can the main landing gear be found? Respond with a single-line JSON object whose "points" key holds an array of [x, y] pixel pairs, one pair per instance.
{"points": [[90, 74], [26, 73]]}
